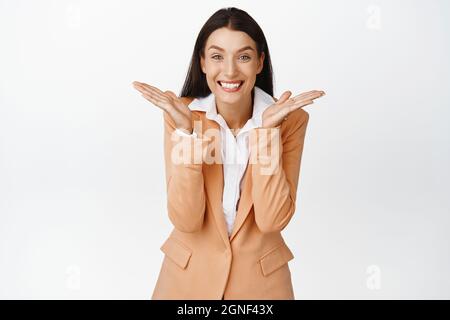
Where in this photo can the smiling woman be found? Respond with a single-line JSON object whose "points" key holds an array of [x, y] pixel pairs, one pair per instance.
{"points": [[228, 215], [230, 68], [232, 63]]}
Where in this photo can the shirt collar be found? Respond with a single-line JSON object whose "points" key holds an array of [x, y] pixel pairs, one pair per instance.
{"points": [[262, 101]]}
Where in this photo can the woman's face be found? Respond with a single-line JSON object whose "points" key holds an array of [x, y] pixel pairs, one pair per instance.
{"points": [[231, 64]]}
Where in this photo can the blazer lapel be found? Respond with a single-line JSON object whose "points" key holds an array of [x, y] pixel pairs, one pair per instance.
{"points": [[245, 202], [214, 184]]}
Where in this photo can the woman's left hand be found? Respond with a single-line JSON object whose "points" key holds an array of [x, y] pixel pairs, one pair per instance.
{"points": [[278, 112]]}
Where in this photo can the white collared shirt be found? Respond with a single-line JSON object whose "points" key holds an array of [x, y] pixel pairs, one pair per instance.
{"points": [[234, 150]]}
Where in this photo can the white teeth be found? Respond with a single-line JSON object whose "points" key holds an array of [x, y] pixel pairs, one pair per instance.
{"points": [[230, 85]]}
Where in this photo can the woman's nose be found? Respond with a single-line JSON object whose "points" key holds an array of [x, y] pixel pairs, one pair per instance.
{"points": [[230, 69]]}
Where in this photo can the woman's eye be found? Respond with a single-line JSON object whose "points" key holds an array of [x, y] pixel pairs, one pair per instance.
{"points": [[219, 57]]}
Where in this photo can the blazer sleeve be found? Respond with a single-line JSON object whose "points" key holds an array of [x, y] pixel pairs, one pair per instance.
{"points": [[274, 189], [184, 179]]}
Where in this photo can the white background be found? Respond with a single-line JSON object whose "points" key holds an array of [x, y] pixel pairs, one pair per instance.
{"points": [[82, 187]]}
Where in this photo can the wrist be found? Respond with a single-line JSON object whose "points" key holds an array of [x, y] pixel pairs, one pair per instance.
{"points": [[187, 131]]}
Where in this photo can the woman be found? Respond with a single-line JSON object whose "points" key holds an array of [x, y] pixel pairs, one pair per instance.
{"points": [[228, 217]]}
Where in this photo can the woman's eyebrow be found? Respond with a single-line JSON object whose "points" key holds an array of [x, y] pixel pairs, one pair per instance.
{"points": [[221, 49]]}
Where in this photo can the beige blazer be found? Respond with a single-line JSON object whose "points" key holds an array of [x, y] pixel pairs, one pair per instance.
{"points": [[200, 260]]}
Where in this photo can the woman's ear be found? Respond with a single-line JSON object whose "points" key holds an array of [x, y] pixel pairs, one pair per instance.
{"points": [[202, 64], [261, 63]]}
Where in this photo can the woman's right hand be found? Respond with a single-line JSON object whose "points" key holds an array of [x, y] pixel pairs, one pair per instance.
{"points": [[168, 102]]}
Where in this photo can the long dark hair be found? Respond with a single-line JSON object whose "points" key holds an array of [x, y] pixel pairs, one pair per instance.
{"points": [[236, 19]]}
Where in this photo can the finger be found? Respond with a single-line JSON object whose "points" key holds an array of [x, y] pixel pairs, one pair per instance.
{"points": [[161, 99], [154, 91], [300, 105], [311, 97], [152, 98], [300, 95], [160, 104], [150, 94], [308, 95], [152, 88], [313, 91], [138, 86], [306, 99], [284, 97], [144, 87], [171, 94], [155, 96]]}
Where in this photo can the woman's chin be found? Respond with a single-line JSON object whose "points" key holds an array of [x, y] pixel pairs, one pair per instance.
{"points": [[228, 100], [229, 97]]}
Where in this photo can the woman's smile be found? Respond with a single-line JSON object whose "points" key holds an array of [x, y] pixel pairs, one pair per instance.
{"points": [[230, 86]]}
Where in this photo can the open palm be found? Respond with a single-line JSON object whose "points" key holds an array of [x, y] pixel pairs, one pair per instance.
{"points": [[168, 102], [279, 111]]}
